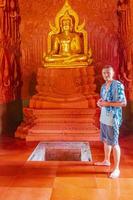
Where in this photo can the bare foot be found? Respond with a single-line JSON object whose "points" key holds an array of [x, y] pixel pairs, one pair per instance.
{"points": [[115, 173], [103, 163]]}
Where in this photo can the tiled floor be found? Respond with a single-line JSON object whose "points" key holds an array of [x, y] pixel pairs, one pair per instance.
{"points": [[62, 180]]}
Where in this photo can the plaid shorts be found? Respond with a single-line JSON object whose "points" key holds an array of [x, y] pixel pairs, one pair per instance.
{"points": [[108, 134]]}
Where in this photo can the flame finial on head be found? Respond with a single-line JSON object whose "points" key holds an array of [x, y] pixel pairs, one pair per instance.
{"points": [[66, 2]]}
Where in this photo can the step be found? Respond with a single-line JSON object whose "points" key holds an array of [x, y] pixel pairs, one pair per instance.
{"points": [[62, 137], [63, 131], [79, 111], [64, 126], [43, 115], [64, 120]]}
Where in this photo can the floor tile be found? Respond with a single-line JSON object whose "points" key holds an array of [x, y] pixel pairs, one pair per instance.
{"points": [[28, 194]]}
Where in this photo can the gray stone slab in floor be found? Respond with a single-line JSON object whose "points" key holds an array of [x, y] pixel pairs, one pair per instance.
{"points": [[61, 151]]}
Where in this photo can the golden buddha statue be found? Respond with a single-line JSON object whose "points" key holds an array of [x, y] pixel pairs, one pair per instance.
{"points": [[67, 42]]}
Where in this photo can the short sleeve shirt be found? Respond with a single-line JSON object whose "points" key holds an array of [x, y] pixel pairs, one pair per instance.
{"points": [[115, 93]]}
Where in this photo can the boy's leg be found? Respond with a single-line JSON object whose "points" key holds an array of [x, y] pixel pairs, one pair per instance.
{"points": [[104, 129], [107, 152], [116, 155]]}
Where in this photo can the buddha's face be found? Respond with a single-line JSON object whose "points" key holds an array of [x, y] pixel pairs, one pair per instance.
{"points": [[66, 25]]}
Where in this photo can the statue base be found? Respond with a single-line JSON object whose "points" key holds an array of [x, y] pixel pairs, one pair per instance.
{"points": [[64, 107], [39, 104], [59, 125], [65, 65]]}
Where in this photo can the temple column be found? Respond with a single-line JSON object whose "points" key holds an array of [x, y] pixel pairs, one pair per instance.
{"points": [[10, 51], [125, 17], [10, 71]]}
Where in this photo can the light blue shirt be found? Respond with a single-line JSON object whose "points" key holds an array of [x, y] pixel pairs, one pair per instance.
{"points": [[115, 93], [106, 117]]}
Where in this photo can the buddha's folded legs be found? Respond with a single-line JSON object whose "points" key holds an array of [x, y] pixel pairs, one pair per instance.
{"points": [[76, 58], [66, 58], [54, 58]]}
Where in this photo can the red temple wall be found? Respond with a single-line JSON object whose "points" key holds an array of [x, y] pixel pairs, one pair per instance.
{"points": [[109, 26], [101, 24], [110, 36]]}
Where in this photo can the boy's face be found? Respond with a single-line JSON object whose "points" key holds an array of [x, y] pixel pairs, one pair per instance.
{"points": [[108, 74]]}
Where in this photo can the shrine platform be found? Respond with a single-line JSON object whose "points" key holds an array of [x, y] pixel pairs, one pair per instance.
{"points": [[59, 125]]}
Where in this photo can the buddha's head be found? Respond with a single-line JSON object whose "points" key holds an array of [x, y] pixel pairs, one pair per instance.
{"points": [[66, 23]]}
